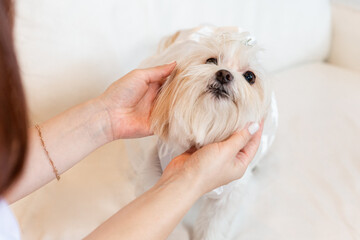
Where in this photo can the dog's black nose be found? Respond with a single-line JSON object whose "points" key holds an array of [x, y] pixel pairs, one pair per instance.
{"points": [[224, 76]]}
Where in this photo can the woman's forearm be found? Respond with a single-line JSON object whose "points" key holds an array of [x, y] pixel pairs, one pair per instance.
{"points": [[68, 137], [154, 214], [122, 111]]}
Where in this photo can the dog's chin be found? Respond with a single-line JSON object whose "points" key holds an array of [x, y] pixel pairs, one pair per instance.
{"points": [[218, 91]]}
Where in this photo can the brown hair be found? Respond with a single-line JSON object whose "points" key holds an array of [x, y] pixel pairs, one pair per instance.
{"points": [[13, 115]]}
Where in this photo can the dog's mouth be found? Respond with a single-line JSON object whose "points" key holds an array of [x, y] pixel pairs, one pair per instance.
{"points": [[218, 91]]}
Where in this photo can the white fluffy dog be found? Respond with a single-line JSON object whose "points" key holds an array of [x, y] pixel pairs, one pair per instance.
{"points": [[217, 87]]}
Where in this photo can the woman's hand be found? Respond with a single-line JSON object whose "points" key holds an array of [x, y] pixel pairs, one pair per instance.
{"points": [[216, 164], [129, 100]]}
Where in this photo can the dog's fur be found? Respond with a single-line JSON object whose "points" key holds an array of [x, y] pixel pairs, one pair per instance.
{"points": [[190, 111]]}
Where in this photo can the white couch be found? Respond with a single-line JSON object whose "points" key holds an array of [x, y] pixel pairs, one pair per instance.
{"points": [[308, 187]]}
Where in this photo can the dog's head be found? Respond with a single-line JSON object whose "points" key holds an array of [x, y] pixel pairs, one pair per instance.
{"points": [[217, 87]]}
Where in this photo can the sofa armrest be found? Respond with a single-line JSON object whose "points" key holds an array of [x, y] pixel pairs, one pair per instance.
{"points": [[345, 45]]}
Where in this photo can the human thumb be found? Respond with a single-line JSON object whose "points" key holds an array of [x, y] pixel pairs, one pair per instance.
{"points": [[239, 139], [158, 74]]}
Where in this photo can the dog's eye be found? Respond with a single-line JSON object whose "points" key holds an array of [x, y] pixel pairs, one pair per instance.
{"points": [[212, 61], [249, 77]]}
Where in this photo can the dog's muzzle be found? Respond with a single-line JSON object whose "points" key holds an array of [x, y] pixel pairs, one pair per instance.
{"points": [[218, 88], [218, 91]]}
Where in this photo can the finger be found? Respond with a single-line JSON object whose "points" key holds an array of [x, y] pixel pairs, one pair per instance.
{"points": [[240, 138], [248, 152], [158, 74]]}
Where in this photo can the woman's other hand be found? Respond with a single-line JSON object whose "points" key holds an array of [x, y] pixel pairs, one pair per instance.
{"points": [[129, 100], [216, 164]]}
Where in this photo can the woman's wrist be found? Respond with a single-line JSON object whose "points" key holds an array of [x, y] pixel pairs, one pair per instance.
{"points": [[98, 124], [182, 182], [69, 137]]}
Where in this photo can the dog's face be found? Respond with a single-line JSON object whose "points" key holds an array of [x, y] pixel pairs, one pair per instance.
{"points": [[216, 88]]}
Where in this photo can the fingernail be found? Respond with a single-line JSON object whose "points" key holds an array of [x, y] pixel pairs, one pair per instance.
{"points": [[253, 128], [171, 63]]}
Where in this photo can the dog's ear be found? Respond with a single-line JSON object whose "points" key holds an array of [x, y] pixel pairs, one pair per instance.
{"points": [[160, 125], [168, 41], [160, 114]]}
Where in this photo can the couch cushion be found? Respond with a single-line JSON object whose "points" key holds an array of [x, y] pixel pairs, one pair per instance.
{"points": [[72, 50], [308, 187]]}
